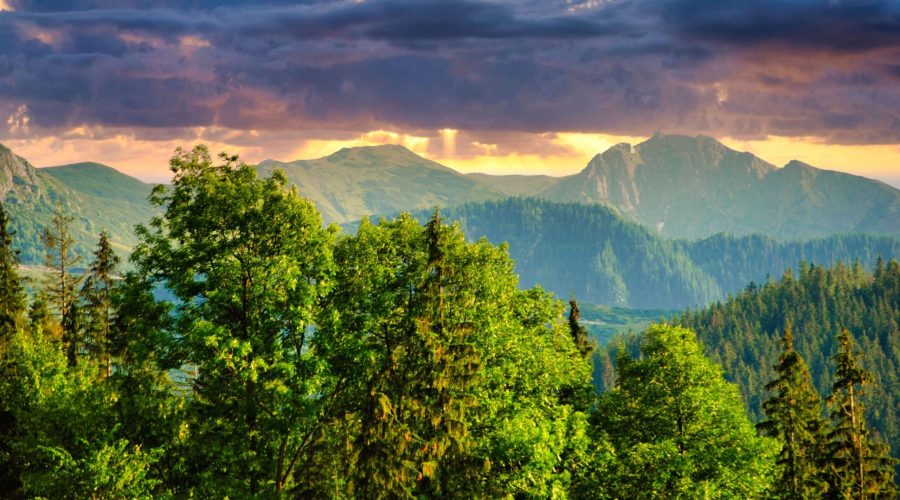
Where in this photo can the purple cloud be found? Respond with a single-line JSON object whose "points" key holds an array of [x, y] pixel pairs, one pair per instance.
{"points": [[741, 68]]}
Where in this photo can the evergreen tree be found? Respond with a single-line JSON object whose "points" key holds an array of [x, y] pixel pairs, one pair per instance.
{"points": [[578, 332], [12, 295], [40, 321], [794, 413], [743, 334], [60, 285], [858, 466], [97, 295]]}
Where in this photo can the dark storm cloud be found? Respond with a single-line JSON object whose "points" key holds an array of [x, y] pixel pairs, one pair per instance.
{"points": [[741, 67], [840, 25]]}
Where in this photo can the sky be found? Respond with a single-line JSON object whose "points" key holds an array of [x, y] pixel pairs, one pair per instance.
{"points": [[498, 86]]}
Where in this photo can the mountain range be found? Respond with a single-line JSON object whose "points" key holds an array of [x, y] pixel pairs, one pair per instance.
{"points": [[692, 187], [619, 232], [679, 186]]}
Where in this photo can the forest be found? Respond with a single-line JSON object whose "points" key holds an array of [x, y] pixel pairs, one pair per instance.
{"points": [[247, 351], [593, 251]]}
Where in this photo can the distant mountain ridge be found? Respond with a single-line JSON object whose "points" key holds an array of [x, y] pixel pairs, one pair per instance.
{"points": [[378, 179], [679, 186], [693, 187], [676, 186]]}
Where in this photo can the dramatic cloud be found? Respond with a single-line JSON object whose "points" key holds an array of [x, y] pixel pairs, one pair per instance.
{"points": [[825, 70]]}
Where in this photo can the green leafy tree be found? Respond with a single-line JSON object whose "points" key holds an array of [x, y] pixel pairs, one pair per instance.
{"points": [[248, 260], [858, 466], [64, 442], [678, 428], [12, 295], [794, 416], [446, 377], [97, 293], [60, 285]]}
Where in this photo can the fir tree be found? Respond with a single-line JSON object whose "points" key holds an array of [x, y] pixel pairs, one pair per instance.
{"points": [[578, 332], [794, 413], [857, 465], [97, 294], [59, 286], [12, 296]]}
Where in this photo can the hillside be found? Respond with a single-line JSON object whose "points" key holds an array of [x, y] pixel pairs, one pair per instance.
{"points": [[744, 333], [378, 179], [594, 253], [693, 187], [516, 185], [98, 197]]}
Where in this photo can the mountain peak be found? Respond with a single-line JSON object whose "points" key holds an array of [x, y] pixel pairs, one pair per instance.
{"points": [[378, 149], [797, 164], [681, 141]]}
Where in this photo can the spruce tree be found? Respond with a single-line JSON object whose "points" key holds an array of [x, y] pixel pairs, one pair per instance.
{"points": [[578, 332], [12, 296], [60, 285], [857, 465], [794, 413], [97, 295]]}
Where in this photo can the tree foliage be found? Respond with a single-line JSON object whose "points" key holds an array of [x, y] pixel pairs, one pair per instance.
{"points": [[794, 416], [97, 293], [60, 285], [248, 261], [743, 334], [857, 465], [12, 294], [249, 352], [678, 427]]}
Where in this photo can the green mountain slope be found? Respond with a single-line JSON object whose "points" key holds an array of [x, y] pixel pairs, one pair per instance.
{"points": [[516, 185], [693, 187], [354, 182], [744, 333], [594, 253], [98, 197]]}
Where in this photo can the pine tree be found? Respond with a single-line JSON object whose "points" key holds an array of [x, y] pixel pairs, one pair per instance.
{"points": [[12, 296], [453, 368], [794, 413], [97, 295], [857, 465], [59, 287], [578, 332]]}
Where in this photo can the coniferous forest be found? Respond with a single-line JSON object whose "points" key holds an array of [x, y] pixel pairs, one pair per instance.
{"points": [[246, 351]]}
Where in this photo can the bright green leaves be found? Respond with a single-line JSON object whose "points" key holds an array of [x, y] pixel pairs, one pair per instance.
{"points": [[65, 441], [447, 377], [248, 262], [678, 427]]}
